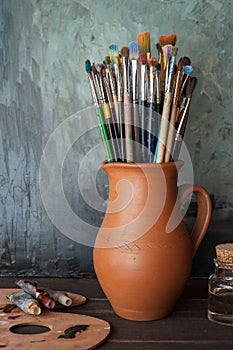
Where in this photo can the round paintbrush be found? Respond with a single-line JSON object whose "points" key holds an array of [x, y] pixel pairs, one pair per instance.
{"points": [[191, 84], [127, 106]]}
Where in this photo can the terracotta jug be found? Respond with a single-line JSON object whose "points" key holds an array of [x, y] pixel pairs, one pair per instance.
{"points": [[143, 252]]}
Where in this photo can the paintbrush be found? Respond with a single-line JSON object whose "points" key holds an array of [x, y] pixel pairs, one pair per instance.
{"points": [[112, 83], [173, 111], [133, 56], [107, 109], [143, 106], [164, 40], [113, 113], [102, 126], [191, 84], [167, 52], [187, 70], [128, 115], [117, 64], [120, 97], [143, 39], [152, 121], [174, 50]]}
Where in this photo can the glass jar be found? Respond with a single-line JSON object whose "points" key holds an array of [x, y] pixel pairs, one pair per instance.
{"points": [[220, 293]]}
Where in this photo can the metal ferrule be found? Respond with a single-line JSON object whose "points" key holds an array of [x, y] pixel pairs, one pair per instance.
{"points": [[107, 90], [111, 80], [152, 84], [171, 71], [143, 81], [93, 90], [177, 87], [97, 87], [102, 91], [125, 61], [158, 91], [119, 83], [134, 81]]}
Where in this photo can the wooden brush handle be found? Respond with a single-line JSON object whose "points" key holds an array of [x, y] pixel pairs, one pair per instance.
{"points": [[170, 134], [128, 127], [164, 127]]}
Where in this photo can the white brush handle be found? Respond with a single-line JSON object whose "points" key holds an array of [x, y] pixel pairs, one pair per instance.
{"points": [[164, 127], [128, 127]]}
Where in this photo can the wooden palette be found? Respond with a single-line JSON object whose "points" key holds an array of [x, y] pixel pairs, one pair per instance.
{"points": [[57, 322]]}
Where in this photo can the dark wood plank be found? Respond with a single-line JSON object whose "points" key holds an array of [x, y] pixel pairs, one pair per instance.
{"points": [[187, 345], [186, 328]]}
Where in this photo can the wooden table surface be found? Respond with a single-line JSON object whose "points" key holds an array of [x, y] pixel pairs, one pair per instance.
{"points": [[186, 328]]}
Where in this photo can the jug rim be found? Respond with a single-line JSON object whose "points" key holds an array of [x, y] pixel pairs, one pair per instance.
{"points": [[178, 164]]}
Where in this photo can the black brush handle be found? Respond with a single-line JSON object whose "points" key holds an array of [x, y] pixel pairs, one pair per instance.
{"points": [[143, 132]]}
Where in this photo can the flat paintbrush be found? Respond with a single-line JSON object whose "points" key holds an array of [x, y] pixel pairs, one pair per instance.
{"points": [[128, 115], [102, 125], [164, 40], [174, 50], [143, 40]]}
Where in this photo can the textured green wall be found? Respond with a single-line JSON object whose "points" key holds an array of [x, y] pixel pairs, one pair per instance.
{"points": [[43, 47]]}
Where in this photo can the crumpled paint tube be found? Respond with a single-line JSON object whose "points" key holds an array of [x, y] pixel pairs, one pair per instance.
{"points": [[58, 296], [42, 296], [25, 302]]}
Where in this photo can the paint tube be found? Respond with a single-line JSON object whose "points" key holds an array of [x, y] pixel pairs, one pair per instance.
{"points": [[25, 302], [42, 296], [58, 296]]}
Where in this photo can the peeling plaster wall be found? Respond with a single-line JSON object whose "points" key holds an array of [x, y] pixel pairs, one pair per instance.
{"points": [[43, 47]]}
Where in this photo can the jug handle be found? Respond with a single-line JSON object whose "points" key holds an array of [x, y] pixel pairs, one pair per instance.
{"points": [[204, 210]]}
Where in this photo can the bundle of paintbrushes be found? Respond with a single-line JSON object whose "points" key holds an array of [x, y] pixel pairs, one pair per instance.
{"points": [[142, 101]]}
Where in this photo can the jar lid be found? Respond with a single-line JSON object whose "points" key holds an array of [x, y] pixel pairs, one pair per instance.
{"points": [[225, 253]]}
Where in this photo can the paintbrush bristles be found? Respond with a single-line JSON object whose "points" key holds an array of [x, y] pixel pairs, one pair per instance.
{"points": [[133, 50], [107, 60], [143, 39], [125, 51], [186, 61], [113, 52], [167, 39], [174, 51], [88, 65], [153, 62]]}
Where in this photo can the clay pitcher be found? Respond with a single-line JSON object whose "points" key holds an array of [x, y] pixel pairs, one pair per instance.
{"points": [[143, 252]]}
